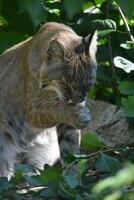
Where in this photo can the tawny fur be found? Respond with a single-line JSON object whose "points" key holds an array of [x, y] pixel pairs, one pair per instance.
{"points": [[33, 99]]}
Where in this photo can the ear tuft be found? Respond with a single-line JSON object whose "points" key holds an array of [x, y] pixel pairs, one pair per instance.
{"points": [[91, 42], [55, 48]]}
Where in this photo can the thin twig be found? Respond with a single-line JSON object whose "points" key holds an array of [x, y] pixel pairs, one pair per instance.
{"points": [[125, 22], [95, 153]]}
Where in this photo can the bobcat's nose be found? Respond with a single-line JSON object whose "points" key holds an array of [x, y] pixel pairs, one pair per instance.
{"points": [[77, 97]]}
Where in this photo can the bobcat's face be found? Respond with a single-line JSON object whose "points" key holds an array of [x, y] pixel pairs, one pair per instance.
{"points": [[69, 66], [79, 76], [70, 70]]}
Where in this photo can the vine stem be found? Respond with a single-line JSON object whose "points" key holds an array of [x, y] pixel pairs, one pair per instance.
{"points": [[125, 21], [95, 153]]}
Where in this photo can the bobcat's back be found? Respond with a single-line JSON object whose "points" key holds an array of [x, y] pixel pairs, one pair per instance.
{"points": [[13, 77]]}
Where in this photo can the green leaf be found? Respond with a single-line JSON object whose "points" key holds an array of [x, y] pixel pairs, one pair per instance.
{"points": [[69, 158], [51, 174], [107, 164], [71, 181], [92, 141], [126, 87], [127, 45], [24, 168], [20, 170], [123, 178], [49, 192], [35, 180], [34, 9], [128, 106], [103, 24], [67, 192], [3, 21], [124, 64], [105, 32], [99, 1], [73, 7], [86, 6], [4, 184]]}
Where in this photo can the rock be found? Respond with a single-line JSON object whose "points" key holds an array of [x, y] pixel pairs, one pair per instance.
{"points": [[110, 124]]}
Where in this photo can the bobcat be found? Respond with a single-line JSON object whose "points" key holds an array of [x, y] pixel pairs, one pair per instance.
{"points": [[43, 86]]}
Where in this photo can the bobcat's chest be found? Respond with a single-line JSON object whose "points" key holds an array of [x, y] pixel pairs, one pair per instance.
{"points": [[44, 139]]}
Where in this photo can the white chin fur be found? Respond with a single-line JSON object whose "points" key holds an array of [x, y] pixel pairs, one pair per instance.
{"points": [[83, 103]]}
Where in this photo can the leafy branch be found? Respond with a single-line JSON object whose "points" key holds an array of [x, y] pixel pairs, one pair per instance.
{"points": [[78, 157]]}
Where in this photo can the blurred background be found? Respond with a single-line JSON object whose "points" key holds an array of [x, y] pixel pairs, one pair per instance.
{"points": [[20, 19]]}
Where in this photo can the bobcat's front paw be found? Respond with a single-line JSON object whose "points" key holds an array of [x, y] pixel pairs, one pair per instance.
{"points": [[84, 117]]}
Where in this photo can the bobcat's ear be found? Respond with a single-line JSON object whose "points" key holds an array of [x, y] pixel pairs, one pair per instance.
{"points": [[91, 43], [55, 48]]}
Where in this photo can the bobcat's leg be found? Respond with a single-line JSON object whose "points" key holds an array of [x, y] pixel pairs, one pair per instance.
{"points": [[44, 149], [8, 152], [52, 113], [69, 142]]}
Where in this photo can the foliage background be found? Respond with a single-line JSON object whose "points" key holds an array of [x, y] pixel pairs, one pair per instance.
{"points": [[20, 19]]}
